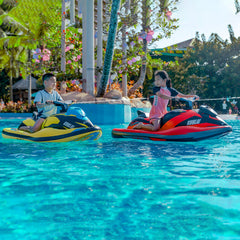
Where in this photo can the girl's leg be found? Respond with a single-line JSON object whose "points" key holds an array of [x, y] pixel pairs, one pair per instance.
{"points": [[154, 126]]}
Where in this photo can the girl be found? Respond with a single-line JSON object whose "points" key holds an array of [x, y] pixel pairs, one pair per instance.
{"points": [[162, 93]]}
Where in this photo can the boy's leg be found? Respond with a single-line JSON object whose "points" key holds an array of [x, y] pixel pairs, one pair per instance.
{"points": [[38, 124], [35, 128]]}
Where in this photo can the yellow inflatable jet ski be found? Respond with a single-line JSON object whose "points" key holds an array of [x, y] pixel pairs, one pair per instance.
{"points": [[71, 126]]}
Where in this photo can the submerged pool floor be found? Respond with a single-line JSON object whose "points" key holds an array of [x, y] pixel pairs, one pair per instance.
{"points": [[120, 188]]}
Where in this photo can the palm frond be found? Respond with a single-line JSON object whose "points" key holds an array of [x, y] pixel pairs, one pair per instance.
{"points": [[32, 13], [24, 41], [7, 5]]}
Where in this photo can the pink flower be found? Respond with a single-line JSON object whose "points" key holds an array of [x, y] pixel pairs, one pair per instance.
{"points": [[78, 57], [67, 48], [46, 51], [151, 32], [168, 15], [46, 58], [69, 61], [130, 62], [149, 37]]}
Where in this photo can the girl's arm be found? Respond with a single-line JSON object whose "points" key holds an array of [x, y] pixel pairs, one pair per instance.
{"points": [[163, 96], [180, 95]]}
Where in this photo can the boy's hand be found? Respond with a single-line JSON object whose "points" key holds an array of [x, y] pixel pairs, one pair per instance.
{"points": [[48, 102]]}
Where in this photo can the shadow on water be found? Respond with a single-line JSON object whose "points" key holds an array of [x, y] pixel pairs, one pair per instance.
{"points": [[152, 148]]}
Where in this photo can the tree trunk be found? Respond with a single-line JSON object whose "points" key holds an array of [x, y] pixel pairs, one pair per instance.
{"points": [[11, 76], [237, 5], [124, 49], [11, 89], [145, 22], [110, 48], [29, 80], [29, 90], [141, 79]]}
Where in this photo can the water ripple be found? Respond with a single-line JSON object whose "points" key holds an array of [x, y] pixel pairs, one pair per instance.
{"points": [[120, 189]]}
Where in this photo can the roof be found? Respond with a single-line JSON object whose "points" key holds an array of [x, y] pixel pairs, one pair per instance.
{"points": [[23, 84], [184, 44], [169, 53]]}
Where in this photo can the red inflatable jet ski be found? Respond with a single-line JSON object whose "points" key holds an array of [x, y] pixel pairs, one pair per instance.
{"points": [[183, 125]]}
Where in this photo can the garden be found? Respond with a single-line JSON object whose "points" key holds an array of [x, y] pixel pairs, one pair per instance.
{"points": [[210, 68]]}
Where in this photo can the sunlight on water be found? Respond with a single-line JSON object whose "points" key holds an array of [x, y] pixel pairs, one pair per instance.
{"points": [[120, 188]]}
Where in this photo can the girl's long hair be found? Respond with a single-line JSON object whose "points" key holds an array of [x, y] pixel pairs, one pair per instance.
{"points": [[163, 74]]}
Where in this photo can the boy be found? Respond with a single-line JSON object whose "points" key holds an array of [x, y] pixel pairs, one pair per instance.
{"points": [[44, 102]]}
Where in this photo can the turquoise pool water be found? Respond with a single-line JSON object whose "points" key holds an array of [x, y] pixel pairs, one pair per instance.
{"points": [[120, 189]]}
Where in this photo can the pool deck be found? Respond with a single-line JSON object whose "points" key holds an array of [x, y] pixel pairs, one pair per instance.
{"points": [[99, 114], [229, 116], [105, 114]]}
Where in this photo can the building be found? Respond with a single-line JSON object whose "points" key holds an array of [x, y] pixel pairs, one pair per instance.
{"points": [[169, 53], [20, 89]]}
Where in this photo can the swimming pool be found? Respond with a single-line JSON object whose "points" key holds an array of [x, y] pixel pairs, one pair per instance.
{"points": [[120, 188]]}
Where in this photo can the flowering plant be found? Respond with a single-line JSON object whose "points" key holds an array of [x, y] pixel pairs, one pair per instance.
{"points": [[117, 86], [15, 107]]}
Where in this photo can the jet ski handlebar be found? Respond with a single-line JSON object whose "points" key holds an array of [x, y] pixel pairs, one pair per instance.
{"points": [[63, 104], [188, 102]]}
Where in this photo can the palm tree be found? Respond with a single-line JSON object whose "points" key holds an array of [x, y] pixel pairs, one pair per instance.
{"points": [[18, 32], [11, 59], [110, 48], [165, 27]]}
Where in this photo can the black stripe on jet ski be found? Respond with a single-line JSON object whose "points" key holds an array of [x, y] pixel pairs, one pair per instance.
{"points": [[52, 138]]}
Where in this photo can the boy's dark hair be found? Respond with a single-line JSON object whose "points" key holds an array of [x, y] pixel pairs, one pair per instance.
{"points": [[163, 74], [46, 76]]}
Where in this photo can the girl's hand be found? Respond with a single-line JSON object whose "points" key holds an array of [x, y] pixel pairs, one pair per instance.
{"points": [[176, 98], [196, 97]]}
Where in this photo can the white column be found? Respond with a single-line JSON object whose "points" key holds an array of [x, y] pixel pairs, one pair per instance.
{"points": [[82, 5], [88, 44], [99, 38], [79, 8], [72, 12]]}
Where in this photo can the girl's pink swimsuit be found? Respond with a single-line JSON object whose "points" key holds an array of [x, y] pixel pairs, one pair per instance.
{"points": [[159, 107]]}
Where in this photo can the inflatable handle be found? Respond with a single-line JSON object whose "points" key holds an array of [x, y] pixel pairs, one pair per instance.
{"points": [[189, 103], [63, 105]]}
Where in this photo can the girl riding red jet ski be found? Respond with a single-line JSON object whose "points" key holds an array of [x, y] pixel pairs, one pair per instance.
{"points": [[184, 125], [178, 125]]}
